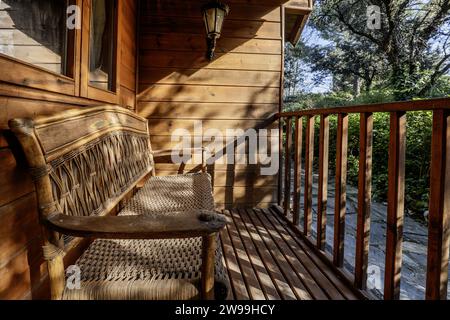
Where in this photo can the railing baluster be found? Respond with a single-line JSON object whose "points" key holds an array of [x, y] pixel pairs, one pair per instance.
{"points": [[396, 203], [322, 197], [280, 171], [309, 154], [297, 168], [340, 190], [438, 219], [287, 167], [364, 199]]}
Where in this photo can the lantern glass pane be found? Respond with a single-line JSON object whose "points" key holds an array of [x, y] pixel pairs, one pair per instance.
{"points": [[205, 22], [219, 20], [210, 20]]}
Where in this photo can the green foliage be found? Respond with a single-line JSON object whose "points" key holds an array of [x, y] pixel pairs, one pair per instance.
{"points": [[418, 148], [335, 99], [407, 59], [408, 52]]}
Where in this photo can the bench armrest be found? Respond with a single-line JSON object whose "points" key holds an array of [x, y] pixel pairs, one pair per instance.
{"points": [[165, 156], [189, 225]]}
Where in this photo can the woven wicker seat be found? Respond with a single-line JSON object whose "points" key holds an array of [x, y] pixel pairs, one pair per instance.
{"points": [[152, 269], [163, 244]]}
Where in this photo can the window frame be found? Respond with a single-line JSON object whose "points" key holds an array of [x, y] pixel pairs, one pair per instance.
{"points": [[86, 90], [29, 75]]}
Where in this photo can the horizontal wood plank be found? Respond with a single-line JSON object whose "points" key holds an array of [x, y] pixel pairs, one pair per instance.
{"points": [[213, 77], [183, 42], [15, 180], [224, 94], [232, 28], [195, 110], [197, 60]]}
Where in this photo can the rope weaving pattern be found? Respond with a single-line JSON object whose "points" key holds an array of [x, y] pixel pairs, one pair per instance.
{"points": [[167, 268], [85, 162], [51, 252], [163, 195], [86, 180]]}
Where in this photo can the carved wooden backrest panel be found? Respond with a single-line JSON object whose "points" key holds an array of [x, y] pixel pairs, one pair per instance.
{"points": [[89, 158]]}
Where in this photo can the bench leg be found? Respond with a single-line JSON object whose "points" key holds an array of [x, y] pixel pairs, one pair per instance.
{"points": [[57, 277], [208, 263]]}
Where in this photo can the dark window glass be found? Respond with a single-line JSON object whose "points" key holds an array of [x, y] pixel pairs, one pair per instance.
{"points": [[102, 52], [35, 32]]}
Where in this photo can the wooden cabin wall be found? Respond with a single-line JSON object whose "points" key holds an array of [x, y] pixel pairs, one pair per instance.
{"points": [[239, 89], [23, 273]]}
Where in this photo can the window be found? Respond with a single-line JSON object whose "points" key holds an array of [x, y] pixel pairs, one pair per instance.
{"points": [[35, 32], [102, 44]]}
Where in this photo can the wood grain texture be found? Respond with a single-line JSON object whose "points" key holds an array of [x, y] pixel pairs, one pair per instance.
{"points": [[265, 255], [364, 199], [297, 168], [29, 92], [287, 167], [396, 205], [322, 197], [136, 227], [309, 158], [239, 89], [340, 190], [438, 224]]}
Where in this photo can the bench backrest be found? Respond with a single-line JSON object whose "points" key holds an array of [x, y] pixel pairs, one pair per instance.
{"points": [[85, 161]]}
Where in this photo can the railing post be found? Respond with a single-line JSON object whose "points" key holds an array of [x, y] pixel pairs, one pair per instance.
{"points": [[287, 167], [340, 201], [364, 199], [396, 202], [280, 171], [438, 219], [322, 197], [309, 155], [297, 168]]}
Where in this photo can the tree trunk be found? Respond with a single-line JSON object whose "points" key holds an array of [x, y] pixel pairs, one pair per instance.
{"points": [[356, 86]]}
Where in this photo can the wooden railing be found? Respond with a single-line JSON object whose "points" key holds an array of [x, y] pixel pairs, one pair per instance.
{"points": [[439, 198]]}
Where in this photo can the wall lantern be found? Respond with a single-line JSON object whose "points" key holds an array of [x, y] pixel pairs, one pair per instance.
{"points": [[214, 14]]}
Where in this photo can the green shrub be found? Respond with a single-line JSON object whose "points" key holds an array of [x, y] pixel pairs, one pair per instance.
{"points": [[419, 126]]}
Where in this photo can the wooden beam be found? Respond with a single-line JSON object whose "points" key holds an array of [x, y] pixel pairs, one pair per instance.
{"points": [[364, 199], [297, 168], [340, 190], [416, 105], [309, 157], [324, 141], [303, 7], [438, 219], [287, 167], [280, 158], [396, 204], [296, 32]]}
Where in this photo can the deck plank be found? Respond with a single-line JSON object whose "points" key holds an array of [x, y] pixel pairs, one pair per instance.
{"points": [[304, 267], [263, 276], [267, 260], [248, 273], [239, 291], [290, 273], [335, 281]]}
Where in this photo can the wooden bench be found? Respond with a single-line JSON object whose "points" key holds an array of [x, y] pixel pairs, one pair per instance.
{"points": [[83, 163]]}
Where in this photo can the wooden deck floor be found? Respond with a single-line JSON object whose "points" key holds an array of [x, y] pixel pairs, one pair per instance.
{"points": [[266, 260]]}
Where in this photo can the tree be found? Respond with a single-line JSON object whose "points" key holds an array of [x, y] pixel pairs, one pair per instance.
{"points": [[412, 43], [353, 64], [292, 65]]}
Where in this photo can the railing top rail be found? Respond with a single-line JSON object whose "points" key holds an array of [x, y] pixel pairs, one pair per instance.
{"points": [[416, 105]]}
